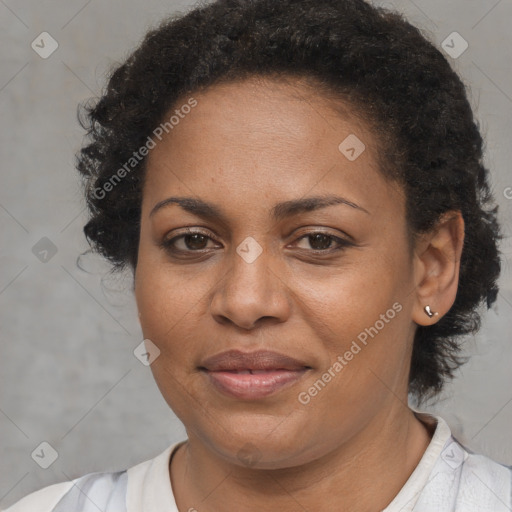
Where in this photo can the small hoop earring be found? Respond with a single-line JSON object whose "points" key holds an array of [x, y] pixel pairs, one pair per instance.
{"points": [[429, 312]]}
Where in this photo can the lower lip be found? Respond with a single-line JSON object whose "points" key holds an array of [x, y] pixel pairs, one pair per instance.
{"points": [[253, 386]]}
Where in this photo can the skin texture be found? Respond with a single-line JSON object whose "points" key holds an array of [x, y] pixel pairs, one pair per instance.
{"points": [[245, 147]]}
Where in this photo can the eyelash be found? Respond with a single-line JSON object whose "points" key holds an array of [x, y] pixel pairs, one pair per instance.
{"points": [[168, 244]]}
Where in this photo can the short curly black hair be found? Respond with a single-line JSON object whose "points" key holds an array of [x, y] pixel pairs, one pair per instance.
{"points": [[370, 57]]}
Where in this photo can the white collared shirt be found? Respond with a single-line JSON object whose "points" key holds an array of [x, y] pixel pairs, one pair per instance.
{"points": [[448, 478]]}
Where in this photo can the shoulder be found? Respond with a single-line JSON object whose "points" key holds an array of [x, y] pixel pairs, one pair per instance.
{"points": [[97, 490], [463, 480], [101, 491], [106, 491], [456, 478], [484, 480], [42, 500]]}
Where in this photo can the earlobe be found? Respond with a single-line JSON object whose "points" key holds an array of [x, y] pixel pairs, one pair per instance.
{"points": [[429, 312], [437, 263]]}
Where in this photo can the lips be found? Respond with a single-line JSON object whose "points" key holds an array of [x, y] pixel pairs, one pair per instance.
{"points": [[261, 360], [254, 375]]}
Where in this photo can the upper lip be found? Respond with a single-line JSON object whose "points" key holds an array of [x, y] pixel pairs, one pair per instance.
{"points": [[259, 360]]}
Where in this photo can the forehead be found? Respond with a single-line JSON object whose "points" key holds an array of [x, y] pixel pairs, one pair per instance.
{"points": [[265, 138], [250, 109]]}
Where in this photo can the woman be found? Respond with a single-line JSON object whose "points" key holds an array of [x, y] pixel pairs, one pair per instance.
{"points": [[298, 189]]}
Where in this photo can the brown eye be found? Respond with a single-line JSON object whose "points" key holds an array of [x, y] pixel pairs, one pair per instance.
{"points": [[319, 241], [195, 242], [192, 241], [323, 242]]}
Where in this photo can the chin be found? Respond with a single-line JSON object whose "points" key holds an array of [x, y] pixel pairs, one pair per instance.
{"points": [[262, 442]]}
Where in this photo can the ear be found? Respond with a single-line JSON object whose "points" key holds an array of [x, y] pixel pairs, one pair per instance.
{"points": [[436, 267]]}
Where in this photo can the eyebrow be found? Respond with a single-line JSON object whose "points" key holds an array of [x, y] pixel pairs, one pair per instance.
{"points": [[278, 212]]}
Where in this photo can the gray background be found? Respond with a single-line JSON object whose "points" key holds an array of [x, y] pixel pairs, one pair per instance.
{"points": [[68, 373]]}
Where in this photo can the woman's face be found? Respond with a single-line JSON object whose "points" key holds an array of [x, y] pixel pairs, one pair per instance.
{"points": [[338, 301]]}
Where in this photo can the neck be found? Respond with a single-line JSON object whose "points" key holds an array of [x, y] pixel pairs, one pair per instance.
{"points": [[364, 474]]}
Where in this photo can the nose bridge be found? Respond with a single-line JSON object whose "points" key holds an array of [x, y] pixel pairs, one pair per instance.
{"points": [[249, 277], [250, 289]]}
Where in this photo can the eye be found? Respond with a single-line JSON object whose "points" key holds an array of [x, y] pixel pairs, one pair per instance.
{"points": [[319, 241], [190, 241], [193, 241]]}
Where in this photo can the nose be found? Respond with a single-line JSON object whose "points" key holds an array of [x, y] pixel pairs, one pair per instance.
{"points": [[251, 292]]}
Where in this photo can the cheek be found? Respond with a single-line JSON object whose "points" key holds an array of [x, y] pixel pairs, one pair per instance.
{"points": [[166, 307], [343, 301], [361, 313], [166, 303]]}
